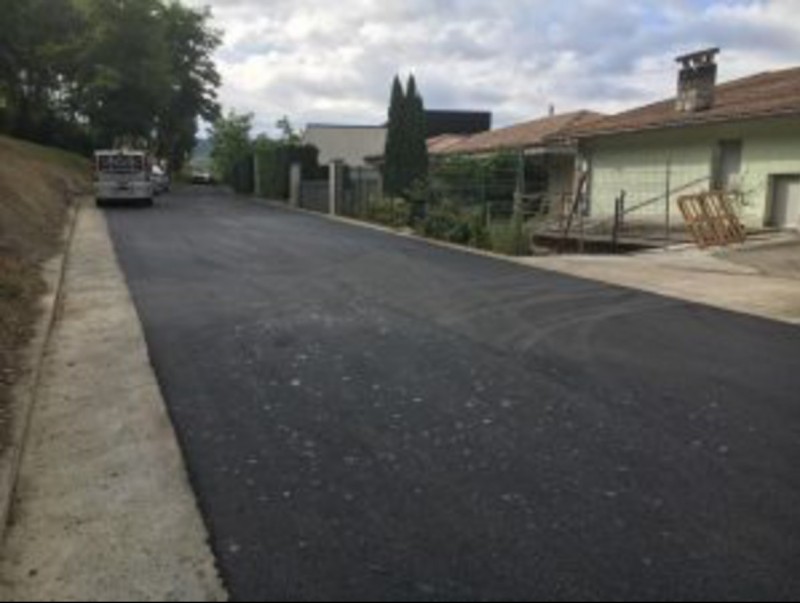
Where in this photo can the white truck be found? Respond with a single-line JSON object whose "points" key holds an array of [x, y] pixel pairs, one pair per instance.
{"points": [[123, 177]]}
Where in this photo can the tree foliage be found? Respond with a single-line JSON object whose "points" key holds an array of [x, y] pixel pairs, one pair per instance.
{"points": [[232, 144], [406, 156], [394, 153], [83, 73], [418, 160], [191, 43], [289, 135]]}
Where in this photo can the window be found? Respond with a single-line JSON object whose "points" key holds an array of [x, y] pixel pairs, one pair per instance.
{"points": [[728, 167]]}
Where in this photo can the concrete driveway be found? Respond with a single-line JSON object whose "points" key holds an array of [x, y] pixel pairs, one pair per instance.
{"points": [[367, 417]]}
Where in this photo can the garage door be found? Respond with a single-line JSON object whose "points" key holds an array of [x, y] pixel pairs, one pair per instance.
{"points": [[786, 202]]}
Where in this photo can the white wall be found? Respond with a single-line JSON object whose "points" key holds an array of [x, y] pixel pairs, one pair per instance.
{"points": [[348, 144]]}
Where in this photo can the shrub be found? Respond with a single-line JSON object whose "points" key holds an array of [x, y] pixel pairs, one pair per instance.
{"points": [[395, 213], [511, 237], [480, 237], [446, 223]]}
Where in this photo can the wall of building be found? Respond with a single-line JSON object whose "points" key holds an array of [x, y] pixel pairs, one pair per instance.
{"points": [[348, 144], [561, 180], [646, 165]]}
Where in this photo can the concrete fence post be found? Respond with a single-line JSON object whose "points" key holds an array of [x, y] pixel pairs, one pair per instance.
{"points": [[295, 182], [336, 186]]}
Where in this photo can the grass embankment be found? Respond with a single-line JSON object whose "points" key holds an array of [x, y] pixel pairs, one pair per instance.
{"points": [[35, 187]]}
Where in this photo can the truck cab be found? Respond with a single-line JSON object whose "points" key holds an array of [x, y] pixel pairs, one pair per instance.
{"points": [[123, 177]]}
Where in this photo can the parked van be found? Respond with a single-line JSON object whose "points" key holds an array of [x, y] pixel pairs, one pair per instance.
{"points": [[161, 179], [123, 177]]}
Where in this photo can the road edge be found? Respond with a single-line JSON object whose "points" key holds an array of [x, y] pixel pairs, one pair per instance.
{"points": [[24, 394], [218, 586], [524, 262], [520, 261]]}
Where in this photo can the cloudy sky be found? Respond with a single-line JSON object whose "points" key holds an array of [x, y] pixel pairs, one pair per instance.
{"points": [[333, 61]]}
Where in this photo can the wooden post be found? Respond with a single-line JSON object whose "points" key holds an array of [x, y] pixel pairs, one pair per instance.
{"points": [[519, 194]]}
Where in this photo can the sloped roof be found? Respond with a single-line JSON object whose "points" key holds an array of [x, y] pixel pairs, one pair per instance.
{"points": [[770, 94], [527, 135], [440, 144]]}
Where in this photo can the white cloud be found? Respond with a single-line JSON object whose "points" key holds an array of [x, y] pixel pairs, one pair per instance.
{"points": [[334, 61]]}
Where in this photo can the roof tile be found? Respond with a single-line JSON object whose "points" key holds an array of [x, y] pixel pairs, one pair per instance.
{"points": [[770, 94]]}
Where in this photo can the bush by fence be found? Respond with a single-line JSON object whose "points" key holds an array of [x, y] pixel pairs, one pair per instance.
{"points": [[274, 165], [242, 177]]}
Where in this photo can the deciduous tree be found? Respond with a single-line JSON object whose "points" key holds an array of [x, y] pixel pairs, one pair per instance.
{"points": [[232, 143]]}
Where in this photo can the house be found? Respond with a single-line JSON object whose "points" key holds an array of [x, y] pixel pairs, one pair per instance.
{"points": [[742, 137], [353, 145], [464, 123], [440, 144], [548, 149], [347, 144]]}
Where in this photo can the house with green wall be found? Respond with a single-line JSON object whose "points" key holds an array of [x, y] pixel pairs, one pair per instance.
{"points": [[742, 137]]}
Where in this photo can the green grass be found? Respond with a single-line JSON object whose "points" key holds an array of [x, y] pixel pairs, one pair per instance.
{"points": [[510, 237]]}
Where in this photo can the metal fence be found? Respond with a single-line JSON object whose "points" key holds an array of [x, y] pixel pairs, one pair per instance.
{"points": [[361, 192], [315, 195], [641, 200]]}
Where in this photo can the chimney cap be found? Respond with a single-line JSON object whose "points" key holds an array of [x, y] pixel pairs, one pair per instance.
{"points": [[702, 56]]}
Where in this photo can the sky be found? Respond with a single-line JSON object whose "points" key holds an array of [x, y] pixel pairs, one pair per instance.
{"points": [[334, 61]]}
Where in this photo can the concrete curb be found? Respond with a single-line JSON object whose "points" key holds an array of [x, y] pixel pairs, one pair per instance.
{"points": [[26, 391], [520, 261]]}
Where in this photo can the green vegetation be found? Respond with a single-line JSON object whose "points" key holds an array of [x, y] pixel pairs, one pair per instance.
{"points": [[392, 213], [511, 237], [449, 222], [235, 156], [232, 146], [274, 162], [34, 181], [406, 155], [476, 180], [81, 74]]}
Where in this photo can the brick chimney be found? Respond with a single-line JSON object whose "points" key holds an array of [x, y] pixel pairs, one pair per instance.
{"points": [[697, 81]]}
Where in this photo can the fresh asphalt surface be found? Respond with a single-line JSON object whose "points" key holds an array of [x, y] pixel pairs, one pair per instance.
{"points": [[367, 417]]}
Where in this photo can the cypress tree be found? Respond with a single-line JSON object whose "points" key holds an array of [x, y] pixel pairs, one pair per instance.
{"points": [[417, 144], [394, 154], [406, 155]]}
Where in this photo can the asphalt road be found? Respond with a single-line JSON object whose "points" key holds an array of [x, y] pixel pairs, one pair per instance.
{"points": [[367, 417]]}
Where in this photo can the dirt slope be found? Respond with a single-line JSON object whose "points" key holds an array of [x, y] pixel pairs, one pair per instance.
{"points": [[35, 190]]}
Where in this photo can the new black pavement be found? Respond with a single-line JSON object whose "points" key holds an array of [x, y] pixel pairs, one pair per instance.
{"points": [[367, 417]]}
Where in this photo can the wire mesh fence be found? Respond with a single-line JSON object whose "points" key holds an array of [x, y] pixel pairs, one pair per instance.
{"points": [[494, 201], [315, 195], [505, 201], [639, 198], [362, 192]]}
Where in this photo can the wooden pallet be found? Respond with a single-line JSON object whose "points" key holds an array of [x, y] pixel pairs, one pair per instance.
{"points": [[712, 220]]}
